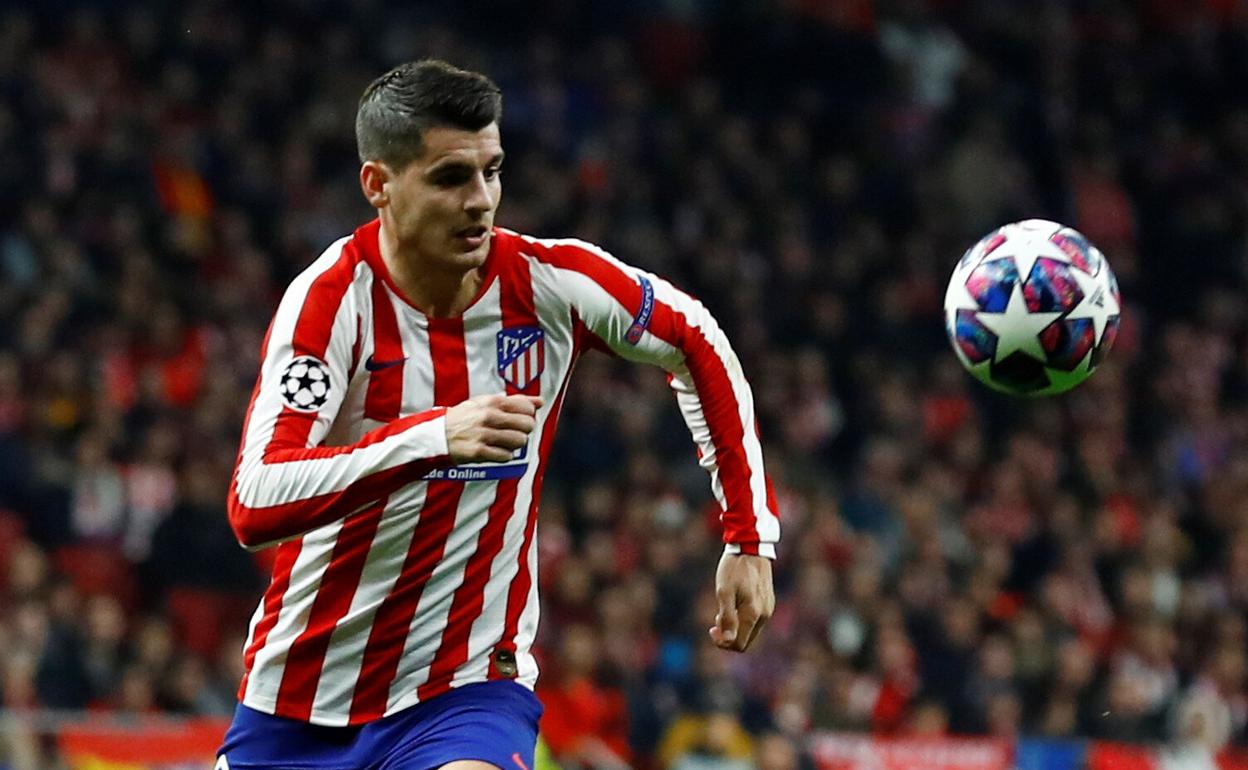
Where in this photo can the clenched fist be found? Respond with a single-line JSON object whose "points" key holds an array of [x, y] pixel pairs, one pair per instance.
{"points": [[490, 428], [746, 600]]}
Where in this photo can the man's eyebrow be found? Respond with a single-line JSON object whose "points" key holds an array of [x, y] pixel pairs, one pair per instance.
{"points": [[455, 163], [449, 164]]}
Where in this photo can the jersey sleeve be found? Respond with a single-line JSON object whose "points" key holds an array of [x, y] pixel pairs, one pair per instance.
{"points": [[642, 317], [285, 483]]}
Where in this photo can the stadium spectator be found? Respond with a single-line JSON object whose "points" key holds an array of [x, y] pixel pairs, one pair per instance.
{"points": [[588, 722]]}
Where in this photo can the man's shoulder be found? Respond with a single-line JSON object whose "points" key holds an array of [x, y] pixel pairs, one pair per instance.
{"points": [[344, 254], [554, 251], [336, 272]]}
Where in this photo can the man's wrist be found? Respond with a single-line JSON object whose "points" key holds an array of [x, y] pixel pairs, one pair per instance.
{"points": [[766, 550]]}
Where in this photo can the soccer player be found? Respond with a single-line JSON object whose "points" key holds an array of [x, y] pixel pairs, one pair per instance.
{"points": [[395, 445]]}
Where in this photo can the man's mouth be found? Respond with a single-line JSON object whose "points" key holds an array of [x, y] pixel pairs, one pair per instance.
{"points": [[474, 235]]}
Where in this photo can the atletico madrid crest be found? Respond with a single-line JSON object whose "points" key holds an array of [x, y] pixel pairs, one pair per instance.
{"points": [[521, 355]]}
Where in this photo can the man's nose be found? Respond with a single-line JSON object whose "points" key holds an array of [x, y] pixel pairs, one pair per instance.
{"points": [[479, 198]]}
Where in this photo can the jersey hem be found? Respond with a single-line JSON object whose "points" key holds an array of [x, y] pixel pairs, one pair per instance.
{"points": [[321, 718]]}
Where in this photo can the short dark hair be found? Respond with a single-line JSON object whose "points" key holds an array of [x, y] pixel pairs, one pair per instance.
{"points": [[397, 107]]}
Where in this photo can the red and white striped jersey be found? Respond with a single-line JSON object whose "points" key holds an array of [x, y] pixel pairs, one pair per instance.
{"points": [[398, 575]]}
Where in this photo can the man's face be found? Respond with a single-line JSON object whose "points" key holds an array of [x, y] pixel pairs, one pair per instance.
{"points": [[442, 204]]}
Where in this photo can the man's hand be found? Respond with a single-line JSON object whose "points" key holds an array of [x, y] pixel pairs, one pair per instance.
{"points": [[746, 599], [490, 428]]}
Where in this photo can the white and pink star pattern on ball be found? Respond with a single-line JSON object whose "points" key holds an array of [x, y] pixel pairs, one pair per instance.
{"points": [[399, 576], [1032, 308]]}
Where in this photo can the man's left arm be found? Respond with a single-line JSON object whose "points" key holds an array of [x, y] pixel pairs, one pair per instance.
{"points": [[642, 317]]}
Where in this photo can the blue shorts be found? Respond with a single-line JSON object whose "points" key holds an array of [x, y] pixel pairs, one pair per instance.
{"points": [[494, 722]]}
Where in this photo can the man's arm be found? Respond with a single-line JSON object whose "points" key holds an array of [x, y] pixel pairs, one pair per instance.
{"points": [[303, 488], [642, 317], [285, 483]]}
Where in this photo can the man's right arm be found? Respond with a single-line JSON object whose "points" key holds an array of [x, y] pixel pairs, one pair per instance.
{"points": [[286, 489], [285, 483], [289, 490]]}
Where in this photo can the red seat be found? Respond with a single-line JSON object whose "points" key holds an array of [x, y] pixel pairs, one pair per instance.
{"points": [[202, 617], [12, 532], [97, 568]]}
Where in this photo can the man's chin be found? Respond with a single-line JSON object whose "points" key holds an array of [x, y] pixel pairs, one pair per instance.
{"points": [[474, 250]]}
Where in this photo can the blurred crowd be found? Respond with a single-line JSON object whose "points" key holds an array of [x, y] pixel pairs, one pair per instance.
{"points": [[953, 562]]}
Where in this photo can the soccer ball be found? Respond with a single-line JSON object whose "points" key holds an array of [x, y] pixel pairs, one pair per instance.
{"points": [[1032, 308]]}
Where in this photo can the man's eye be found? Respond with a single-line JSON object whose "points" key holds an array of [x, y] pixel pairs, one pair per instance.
{"points": [[451, 179], [492, 172]]}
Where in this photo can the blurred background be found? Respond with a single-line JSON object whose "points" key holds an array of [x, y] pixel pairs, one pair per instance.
{"points": [[1060, 583]]}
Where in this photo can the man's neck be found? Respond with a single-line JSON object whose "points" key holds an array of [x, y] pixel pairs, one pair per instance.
{"points": [[437, 293]]}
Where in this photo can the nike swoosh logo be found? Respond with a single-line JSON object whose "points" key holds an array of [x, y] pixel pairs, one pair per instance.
{"points": [[376, 366]]}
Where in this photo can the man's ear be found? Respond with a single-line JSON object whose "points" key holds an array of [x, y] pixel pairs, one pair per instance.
{"points": [[373, 178]]}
